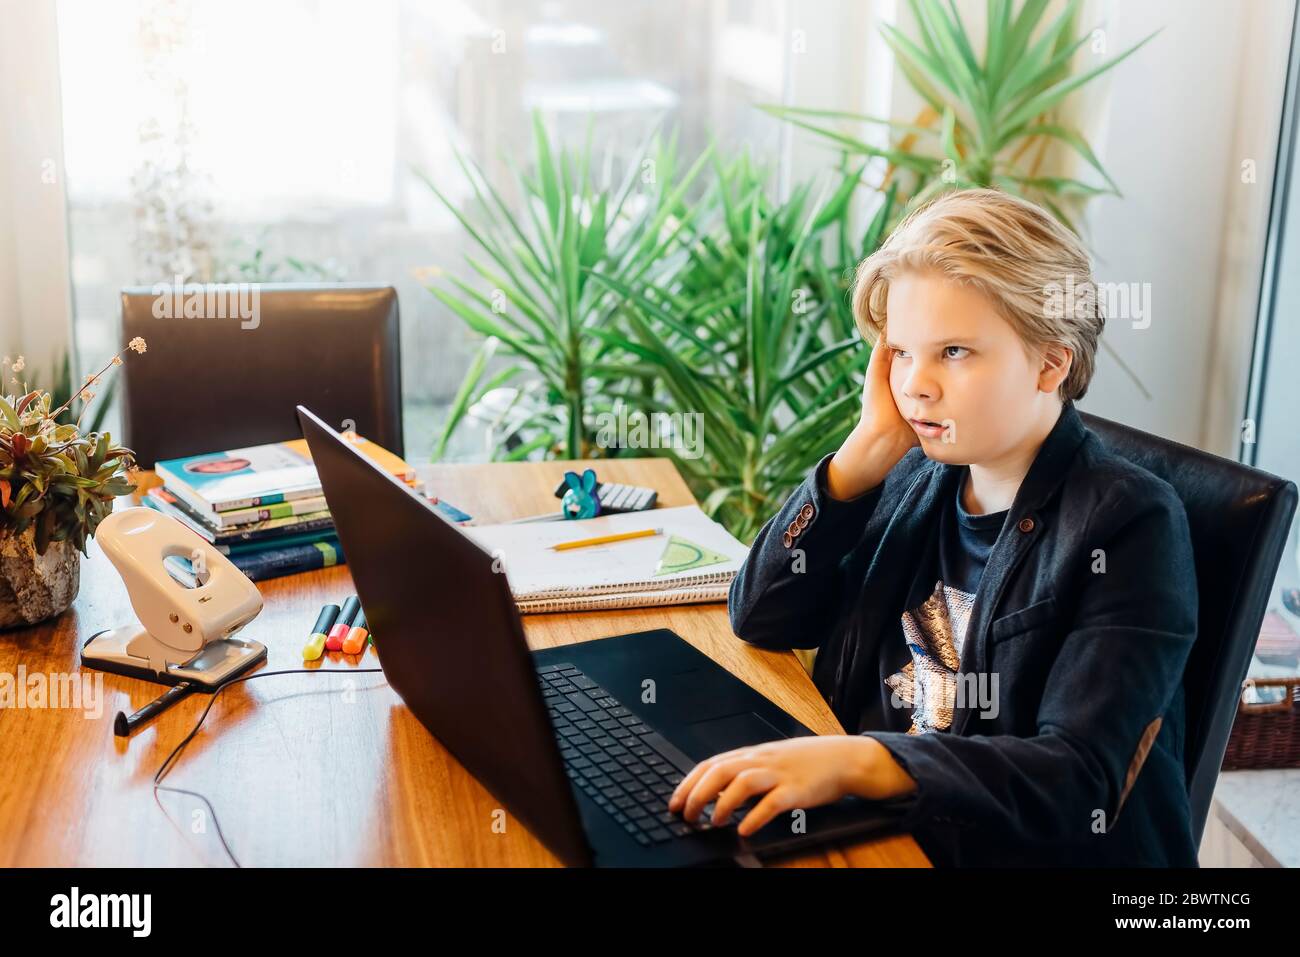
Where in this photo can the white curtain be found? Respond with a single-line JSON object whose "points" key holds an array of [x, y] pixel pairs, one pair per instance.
{"points": [[35, 297]]}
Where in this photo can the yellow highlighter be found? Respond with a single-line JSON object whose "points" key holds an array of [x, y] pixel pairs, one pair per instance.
{"points": [[315, 646], [605, 539]]}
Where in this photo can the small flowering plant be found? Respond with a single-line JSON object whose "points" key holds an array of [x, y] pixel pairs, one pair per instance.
{"points": [[51, 476]]}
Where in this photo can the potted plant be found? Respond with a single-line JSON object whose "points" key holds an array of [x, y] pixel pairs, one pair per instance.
{"points": [[756, 336], [56, 485], [742, 314], [535, 302], [988, 120]]}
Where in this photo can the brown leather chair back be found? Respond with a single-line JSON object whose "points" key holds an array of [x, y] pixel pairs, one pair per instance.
{"points": [[226, 365]]}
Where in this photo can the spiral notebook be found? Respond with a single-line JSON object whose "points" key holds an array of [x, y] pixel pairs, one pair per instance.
{"points": [[693, 560]]}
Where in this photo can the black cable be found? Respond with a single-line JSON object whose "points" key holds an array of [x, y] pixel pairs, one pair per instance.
{"points": [[166, 766]]}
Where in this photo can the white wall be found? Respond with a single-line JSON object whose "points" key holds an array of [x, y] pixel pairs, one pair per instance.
{"points": [[1183, 113]]}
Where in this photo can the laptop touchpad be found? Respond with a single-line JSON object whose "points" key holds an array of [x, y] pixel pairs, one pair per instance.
{"points": [[733, 731]]}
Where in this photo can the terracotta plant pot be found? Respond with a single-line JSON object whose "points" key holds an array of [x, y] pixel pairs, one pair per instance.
{"points": [[35, 587]]}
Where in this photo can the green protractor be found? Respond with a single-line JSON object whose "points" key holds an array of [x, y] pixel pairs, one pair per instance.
{"points": [[682, 555]]}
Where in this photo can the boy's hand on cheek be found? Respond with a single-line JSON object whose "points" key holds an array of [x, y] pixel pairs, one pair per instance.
{"points": [[881, 437], [787, 775], [881, 416]]}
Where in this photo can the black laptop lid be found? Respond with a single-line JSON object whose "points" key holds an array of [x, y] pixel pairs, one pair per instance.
{"points": [[449, 638]]}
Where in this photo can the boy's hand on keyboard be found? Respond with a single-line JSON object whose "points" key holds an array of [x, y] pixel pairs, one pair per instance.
{"points": [[787, 775]]}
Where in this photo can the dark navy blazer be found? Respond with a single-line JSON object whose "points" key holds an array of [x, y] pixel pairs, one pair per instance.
{"points": [[1080, 631]]}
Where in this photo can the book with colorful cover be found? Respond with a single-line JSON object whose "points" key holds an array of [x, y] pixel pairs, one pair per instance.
{"points": [[262, 475], [327, 535], [324, 536], [163, 500], [277, 562], [310, 528], [258, 513]]}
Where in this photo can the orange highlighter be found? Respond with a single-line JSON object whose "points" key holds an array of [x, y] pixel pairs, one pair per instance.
{"points": [[334, 641], [355, 642], [315, 646]]}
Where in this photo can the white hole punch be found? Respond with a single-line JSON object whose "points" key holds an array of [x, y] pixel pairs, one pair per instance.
{"points": [[187, 622]]}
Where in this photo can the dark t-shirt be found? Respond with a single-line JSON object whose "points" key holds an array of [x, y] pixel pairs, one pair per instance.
{"points": [[938, 611]]}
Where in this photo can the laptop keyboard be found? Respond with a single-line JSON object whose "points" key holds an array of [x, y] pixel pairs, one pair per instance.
{"points": [[619, 761]]}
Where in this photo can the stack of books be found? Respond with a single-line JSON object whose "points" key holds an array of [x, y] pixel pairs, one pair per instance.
{"points": [[263, 506]]}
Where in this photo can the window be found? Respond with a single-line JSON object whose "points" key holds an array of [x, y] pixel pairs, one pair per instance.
{"points": [[1270, 438], [228, 140]]}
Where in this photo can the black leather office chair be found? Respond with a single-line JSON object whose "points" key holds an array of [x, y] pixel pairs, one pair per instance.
{"points": [[229, 379], [1240, 518]]}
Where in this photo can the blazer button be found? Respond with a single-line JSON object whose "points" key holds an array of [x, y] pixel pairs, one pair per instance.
{"points": [[801, 523], [1026, 525], [787, 539], [807, 512]]}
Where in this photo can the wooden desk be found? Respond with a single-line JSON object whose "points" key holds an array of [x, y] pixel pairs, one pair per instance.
{"points": [[308, 770]]}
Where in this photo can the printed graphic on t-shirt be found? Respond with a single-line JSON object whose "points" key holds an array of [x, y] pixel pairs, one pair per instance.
{"points": [[935, 631]]}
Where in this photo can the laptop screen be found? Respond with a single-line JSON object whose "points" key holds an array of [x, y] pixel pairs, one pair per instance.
{"points": [[448, 638]]}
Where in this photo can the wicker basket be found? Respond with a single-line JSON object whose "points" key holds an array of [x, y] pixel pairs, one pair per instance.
{"points": [[1266, 735]]}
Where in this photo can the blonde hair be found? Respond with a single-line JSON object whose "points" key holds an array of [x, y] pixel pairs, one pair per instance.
{"points": [[1020, 257]]}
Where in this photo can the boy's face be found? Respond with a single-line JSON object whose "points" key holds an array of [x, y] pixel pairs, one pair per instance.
{"points": [[960, 364]]}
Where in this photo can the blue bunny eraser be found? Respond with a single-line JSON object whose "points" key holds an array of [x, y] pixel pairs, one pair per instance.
{"points": [[580, 498]]}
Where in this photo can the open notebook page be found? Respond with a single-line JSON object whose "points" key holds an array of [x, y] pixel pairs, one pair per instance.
{"points": [[536, 571]]}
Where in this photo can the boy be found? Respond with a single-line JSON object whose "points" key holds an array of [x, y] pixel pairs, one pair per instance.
{"points": [[1001, 608]]}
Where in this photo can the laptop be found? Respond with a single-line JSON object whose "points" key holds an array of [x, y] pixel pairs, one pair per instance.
{"points": [[584, 743]]}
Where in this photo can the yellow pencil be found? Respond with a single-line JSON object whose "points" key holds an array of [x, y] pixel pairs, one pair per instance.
{"points": [[603, 539]]}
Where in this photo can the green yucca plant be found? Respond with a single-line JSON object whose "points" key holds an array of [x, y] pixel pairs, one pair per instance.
{"points": [[736, 306], [988, 120], [755, 335], [540, 306]]}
